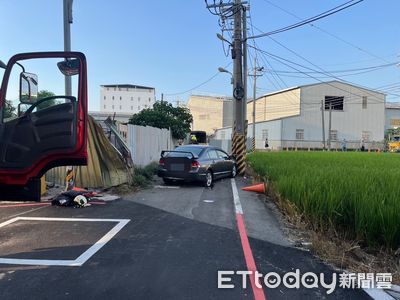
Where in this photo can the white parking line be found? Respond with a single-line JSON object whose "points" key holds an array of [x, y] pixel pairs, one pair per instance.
{"points": [[69, 263]]}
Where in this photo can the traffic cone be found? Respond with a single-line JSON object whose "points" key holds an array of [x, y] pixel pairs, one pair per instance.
{"points": [[258, 188]]}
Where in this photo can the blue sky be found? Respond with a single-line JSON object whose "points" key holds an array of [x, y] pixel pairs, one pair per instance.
{"points": [[172, 45]]}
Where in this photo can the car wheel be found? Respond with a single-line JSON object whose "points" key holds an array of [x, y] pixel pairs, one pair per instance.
{"points": [[233, 172], [209, 179], [167, 181]]}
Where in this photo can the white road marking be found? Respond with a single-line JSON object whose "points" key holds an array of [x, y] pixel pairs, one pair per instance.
{"points": [[236, 199], [166, 187], [70, 263], [25, 212], [378, 294], [208, 201]]}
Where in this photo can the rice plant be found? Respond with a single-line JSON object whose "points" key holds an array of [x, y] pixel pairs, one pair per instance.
{"points": [[358, 193]]}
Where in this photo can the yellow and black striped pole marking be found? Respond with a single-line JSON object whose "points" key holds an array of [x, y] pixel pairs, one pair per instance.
{"points": [[253, 144], [239, 146]]}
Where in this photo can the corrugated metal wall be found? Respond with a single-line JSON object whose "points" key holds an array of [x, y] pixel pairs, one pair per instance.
{"points": [[106, 168], [146, 143]]}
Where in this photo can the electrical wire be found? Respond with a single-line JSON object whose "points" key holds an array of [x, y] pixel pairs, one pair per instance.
{"points": [[327, 32], [325, 14], [199, 85]]}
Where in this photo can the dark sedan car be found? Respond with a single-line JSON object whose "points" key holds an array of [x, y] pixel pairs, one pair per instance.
{"points": [[196, 163]]}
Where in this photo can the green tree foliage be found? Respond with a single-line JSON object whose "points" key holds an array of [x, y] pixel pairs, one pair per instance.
{"points": [[164, 115], [44, 94], [9, 110]]}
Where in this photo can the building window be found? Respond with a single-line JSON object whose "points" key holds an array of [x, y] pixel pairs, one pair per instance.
{"points": [[131, 107], [119, 89], [131, 98], [104, 107], [120, 107], [149, 99], [113, 107], [115, 89], [113, 97], [366, 136], [145, 106], [364, 102], [138, 99], [138, 107], [222, 135], [300, 134], [264, 134], [204, 117], [335, 101], [333, 136], [108, 89], [104, 97], [120, 98], [127, 89]]}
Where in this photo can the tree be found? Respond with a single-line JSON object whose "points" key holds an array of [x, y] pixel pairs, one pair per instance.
{"points": [[43, 94], [9, 110], [164, 115]]}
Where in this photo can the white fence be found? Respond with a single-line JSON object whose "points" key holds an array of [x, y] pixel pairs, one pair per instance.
{"points": [[146, 143]]}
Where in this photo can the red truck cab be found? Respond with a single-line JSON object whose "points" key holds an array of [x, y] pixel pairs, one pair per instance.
{"points": [[39, 133]]}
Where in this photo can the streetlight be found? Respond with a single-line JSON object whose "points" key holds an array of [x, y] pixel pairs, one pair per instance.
{"points": [[222, 70], [221, 37]]}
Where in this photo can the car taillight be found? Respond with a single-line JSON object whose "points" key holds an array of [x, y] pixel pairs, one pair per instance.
{"points": [[161, 162], [195, 164]]}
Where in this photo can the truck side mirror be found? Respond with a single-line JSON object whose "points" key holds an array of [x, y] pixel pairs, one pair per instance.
{"points": [[3, 65], [28, 87], [69, 67]]}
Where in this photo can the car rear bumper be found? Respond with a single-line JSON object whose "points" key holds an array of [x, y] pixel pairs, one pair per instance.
{"points": [[182, 176]]}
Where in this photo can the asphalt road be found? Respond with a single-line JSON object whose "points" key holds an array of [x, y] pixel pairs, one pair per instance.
{"points": [[176, 241]]}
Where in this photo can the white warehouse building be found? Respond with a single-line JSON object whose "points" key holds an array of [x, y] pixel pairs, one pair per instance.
{"points": [[293, 118], [126, 98]]}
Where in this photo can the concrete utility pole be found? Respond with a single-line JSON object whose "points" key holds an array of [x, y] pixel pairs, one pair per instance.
{"points": [[255, 75], [330, 126], [238, 136], [323, 122], [67, 40]]}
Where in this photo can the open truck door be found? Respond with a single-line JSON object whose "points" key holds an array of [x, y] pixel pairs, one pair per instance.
{"points": [[38, 132]]}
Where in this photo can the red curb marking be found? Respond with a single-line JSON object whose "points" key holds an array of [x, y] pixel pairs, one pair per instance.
{"points": [[248, 255]]}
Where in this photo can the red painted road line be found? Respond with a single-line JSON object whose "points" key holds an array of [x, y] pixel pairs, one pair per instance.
{"points": [[248, 255]]}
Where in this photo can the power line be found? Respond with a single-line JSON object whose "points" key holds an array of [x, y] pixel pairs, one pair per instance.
{"points": [[199, 85], [325, 14], [327, 32]]}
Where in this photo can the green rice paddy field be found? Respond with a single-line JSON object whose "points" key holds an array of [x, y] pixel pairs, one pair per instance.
{"points": [[357, 193]]}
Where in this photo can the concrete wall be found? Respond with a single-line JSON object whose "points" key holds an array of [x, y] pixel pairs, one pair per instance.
{"points": [[275, 106], [208, 112], [126, 100], [146, 143], [349, 123]]}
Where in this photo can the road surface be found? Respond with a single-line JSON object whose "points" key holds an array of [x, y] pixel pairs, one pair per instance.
{"points": [[176, 241]]}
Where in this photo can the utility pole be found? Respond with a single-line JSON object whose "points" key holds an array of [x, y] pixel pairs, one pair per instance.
{"points": [[239, 57], [323, 123], [238, 137], [67, 39], [330, 126], [255, 75], [244, 74]]}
